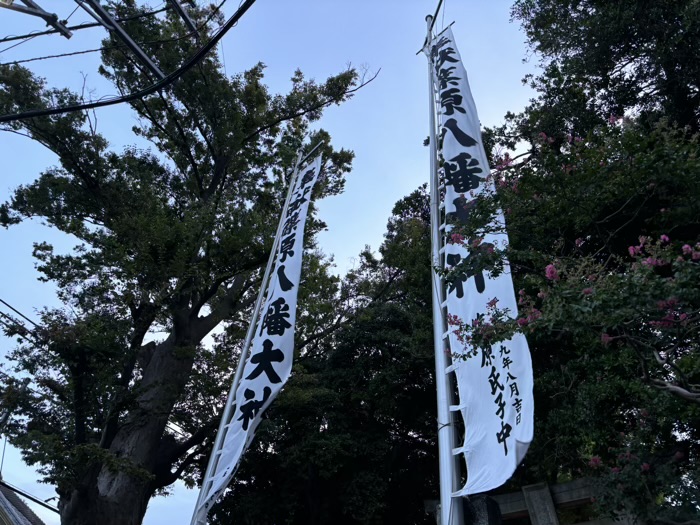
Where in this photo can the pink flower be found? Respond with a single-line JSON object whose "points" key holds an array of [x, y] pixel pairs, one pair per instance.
{"points": [[664, 238], [551, 272], [595, 462], [457, 238], [578, 242], [534, 315], [587, 291], [605, 339], [696, 256], [492, 302], [542, 294], [453, 320], [687, 249], [522, 321], [645, 467], [504, 162], [615, 470], [651, 262]]}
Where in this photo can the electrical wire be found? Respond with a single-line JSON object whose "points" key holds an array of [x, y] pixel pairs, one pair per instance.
{"points": [[86, 25], [167, 81], [26, 39], [70, 15], [118, 46], [62, 55], [18, 312]]}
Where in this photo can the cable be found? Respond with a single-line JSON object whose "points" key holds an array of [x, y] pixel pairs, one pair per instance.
{"points": [[168, 80], [118, 46], [71, 14], [2, 462], [86, 25], [62, 55], [18, 312], [27, 39]]}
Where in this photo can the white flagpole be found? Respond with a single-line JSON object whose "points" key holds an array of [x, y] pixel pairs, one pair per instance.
{"points": [[231, 401], [450, 508]]}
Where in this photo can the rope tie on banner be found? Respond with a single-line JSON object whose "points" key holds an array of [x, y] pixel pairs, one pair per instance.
{"points": [[443, 425]]}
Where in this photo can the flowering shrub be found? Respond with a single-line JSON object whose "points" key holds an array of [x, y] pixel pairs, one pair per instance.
{"points": [[604, 251]]}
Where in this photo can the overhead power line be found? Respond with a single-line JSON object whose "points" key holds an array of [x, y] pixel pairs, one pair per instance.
{"points": [[194, 32], [168, 80], [30, 7], [86, 25], [18, 312], [27, 39]]}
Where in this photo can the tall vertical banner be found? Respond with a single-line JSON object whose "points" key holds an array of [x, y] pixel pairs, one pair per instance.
{"points": [[494, 387], [272, 350]]}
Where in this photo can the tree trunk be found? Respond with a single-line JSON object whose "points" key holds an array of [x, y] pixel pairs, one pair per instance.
{"points": [[117, 490], [124, 506]]}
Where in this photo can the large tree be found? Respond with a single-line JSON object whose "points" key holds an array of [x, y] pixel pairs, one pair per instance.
{"points": [[617, 56], [353, 440], [170, 244]]}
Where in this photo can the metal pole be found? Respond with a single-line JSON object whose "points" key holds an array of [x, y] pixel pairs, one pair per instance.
{"points": [[185, 17], [100, 14], [231, 400], [34, 9], [450, 510]]}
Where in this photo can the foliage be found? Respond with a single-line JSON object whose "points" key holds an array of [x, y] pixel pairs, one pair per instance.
{"points": [[352, 439], [170, 243], [604, 248], [606, 58]]}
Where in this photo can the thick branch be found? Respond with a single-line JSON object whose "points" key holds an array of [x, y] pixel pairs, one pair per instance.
{"points": [[229, 304]]}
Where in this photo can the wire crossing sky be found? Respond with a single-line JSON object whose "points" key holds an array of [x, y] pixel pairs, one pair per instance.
{"points": [[385, 124]]}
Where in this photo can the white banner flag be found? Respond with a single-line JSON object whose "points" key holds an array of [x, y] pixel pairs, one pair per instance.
{"points": [[495, 387], [272, 351]]}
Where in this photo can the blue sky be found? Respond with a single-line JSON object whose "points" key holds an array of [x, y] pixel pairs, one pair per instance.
{"points": [[385, 124]]}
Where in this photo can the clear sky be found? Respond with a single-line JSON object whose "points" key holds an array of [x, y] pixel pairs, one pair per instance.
{"points": [[385, 124]]}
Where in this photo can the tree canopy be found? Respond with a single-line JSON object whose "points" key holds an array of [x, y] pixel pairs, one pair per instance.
{"points": [[170, 242], [599, 180]]}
